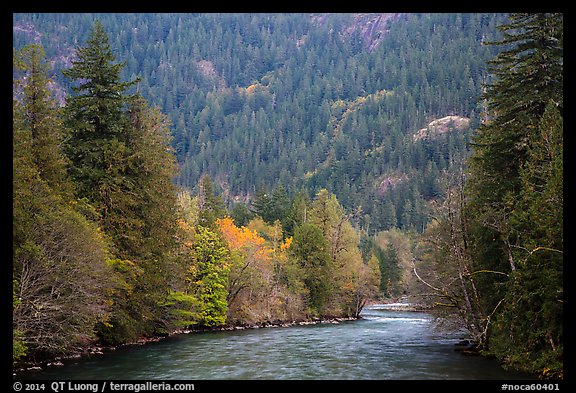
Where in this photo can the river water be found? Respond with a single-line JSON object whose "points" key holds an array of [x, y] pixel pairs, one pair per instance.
{"points": [[384, 344]]}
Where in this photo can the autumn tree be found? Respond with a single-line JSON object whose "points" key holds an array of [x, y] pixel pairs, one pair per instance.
{"points": [[251, 273], [351, 280]]}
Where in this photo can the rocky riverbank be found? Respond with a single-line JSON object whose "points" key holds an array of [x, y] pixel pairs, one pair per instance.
{"points": [[96, 349], [275, 324]]}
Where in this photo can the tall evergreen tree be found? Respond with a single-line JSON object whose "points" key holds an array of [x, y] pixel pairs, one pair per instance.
{"points": [[529, 331], [210, 205], [60, 272], [96, 146], [311, 251], [42, 117], [122, 164], [526, 77], [515, 162]]}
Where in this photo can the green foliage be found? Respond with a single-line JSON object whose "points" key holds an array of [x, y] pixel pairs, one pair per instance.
{"points": [[310, 250], [389, 269], [53, 243], [121, 163], [180, 306], [284, 102], [241, 214], [537, 290], [209, 282], [515, 195], [255, 99], [40, 116], [210, 205]]}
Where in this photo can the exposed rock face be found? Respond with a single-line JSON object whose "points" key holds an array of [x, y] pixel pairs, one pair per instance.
{"points": [[389, 182], [208, 70], [28, 29], [441, 126], [372, 27]]}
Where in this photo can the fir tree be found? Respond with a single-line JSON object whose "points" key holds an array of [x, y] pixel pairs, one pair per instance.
{"points": [[122, 164], [96, 146], [514, 190], [41, 116]]}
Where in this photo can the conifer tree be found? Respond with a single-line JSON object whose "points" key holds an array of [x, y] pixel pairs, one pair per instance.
{"points": [[526, 77], [529, 332], [122, 164], [514, 190], [96, 146], [210, 205], [41, 116], [60, 273], [311, 251]]}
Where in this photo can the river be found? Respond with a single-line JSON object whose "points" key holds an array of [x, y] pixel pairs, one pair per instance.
{"points": [[383, 344]]}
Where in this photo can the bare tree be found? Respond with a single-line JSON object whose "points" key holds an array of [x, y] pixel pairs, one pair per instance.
{"points": [[443, 266], [62, 279]]}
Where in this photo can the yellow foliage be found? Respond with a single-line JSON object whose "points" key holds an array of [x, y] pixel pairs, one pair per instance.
{"points": [[250, 89], [287, 243]]}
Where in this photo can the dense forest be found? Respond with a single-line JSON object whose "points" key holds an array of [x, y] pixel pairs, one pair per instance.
{"points": [[106, 243], [224, 169], [328, 101]]}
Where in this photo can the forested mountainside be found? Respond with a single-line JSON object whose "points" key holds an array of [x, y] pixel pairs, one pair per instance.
{"points": [[375, 108], [332, 128]]}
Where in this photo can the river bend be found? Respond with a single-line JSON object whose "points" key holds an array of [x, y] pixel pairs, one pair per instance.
{"points": [[383, 344]]}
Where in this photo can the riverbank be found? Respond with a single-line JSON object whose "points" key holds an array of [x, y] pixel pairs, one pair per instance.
{"points": [[382, 345], [100, 349]]}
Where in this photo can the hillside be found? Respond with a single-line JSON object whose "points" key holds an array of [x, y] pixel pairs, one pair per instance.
{"points": [[304, 101]]}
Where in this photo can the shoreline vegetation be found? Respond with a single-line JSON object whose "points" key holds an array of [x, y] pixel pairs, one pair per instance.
{"points": [[97, 349]]}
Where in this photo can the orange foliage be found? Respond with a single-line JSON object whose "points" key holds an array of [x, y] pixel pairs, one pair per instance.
{"points": [[250, 89], [238, 238], [284, 246]]}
